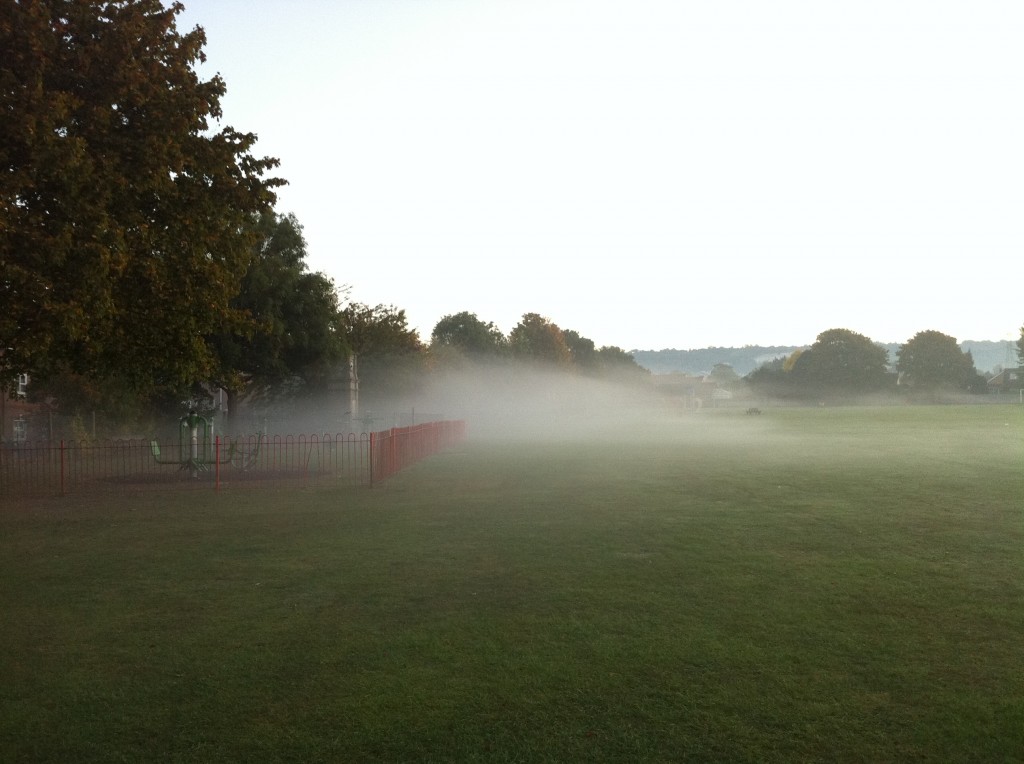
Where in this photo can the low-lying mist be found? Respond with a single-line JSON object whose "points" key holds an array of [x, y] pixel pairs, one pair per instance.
{"points": [[525, 403], [513, 404], [536, 404], [510, 403]]}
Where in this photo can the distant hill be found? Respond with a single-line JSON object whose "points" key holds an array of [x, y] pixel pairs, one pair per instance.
{"points": [[988, 356], [699, 362]]}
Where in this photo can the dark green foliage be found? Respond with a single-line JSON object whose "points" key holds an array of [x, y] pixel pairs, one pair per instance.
{"points": [[390, 355], [110, 401], [932, 361], [614, 363], [540, 340], [465, 333], [841, 363], [293, 331], [771, 380], [724, 375], [582, 352], [463, 337], [123, 235], [988, 355]]}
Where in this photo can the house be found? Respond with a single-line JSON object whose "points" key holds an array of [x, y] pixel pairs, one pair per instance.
{"points": [[691, 391], [1008, 381], [16, 413]]}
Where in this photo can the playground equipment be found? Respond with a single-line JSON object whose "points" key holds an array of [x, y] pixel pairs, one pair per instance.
{"points": [[198, 449]]}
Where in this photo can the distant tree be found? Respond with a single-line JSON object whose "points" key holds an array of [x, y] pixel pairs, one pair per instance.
{"points": [[791, 359], [467, 334], [615, 363], [931, 361], [389, 354], [1020, 347], [772, 379], [539, 339], [841, 362], [378, 329], [582, 352], [724, 375], [124, 214], [293, 332]]}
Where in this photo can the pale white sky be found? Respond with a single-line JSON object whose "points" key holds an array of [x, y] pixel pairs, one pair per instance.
{"points": [[649, 174]]}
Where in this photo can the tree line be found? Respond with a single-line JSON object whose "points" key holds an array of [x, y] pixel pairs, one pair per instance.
{"points": [[143, 261], [843, 364], [990, 356]]}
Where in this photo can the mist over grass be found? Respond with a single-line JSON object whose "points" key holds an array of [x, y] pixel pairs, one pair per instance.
{"points": [[531, 404], [508, 400], [524, 402], [814, 584]]}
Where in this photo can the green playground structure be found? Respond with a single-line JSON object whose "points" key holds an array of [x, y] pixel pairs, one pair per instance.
{"points": [[198, 449], [196, 445]]}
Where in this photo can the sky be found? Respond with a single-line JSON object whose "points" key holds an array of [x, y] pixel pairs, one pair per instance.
{"points": [[649, 174]]}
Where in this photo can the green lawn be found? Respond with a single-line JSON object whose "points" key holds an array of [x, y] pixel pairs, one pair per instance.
{"points": [[807, 585]]}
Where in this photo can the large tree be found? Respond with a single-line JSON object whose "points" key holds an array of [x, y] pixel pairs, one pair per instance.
{"points": [[931, 361], [539, 339], [467, 334], [615, 363], [123, 212], [582, 350], [841, 362], [389, 353], [294, 334], [771, 379]]}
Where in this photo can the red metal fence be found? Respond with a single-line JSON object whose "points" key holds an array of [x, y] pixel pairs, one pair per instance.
{"points": [[397, 448], [352, 459]]}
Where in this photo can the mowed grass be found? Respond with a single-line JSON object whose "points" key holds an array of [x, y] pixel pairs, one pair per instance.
{"points": [[807, 585]]}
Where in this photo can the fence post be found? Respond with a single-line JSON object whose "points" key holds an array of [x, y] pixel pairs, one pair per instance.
{"points": [[370, 460], [62, 467], [216, 464]]}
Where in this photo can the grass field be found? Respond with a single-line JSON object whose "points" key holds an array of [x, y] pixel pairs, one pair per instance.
{"points": [[808, 585]]}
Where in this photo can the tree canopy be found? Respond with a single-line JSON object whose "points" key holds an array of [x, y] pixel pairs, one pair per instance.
{"points": [[390, 354], [615, 363], [932, 361], [723, 374], [124, 214], [469, 335], [294, 333], [842, 361], [533, 339], [582, 350], [539, 339]]}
